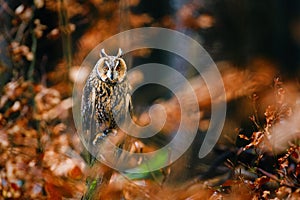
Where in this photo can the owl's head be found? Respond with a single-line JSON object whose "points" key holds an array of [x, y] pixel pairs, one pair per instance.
{"points": [[111, 69]]}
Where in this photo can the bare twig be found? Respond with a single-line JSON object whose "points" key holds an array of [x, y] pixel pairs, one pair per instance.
{"points": [[272, 176]]}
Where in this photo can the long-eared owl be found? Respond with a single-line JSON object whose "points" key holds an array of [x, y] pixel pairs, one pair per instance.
{"points": [[106, 100]]}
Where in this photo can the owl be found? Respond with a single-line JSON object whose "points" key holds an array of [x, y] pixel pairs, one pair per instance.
{"points": [[106, 99]]}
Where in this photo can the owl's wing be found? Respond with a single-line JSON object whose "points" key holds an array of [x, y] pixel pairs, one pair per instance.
{"points": [[130, 107], [88, 112]]}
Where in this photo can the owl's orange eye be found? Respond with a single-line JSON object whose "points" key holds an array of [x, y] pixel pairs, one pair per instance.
{"points": [[118, 67], [105, 68]]}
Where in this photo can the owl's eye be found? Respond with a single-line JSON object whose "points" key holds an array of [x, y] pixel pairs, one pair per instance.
{"points": [[105, 68], [118, 67]]}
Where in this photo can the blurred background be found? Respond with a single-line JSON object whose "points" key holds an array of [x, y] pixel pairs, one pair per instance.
{"points": [[43, 44]]}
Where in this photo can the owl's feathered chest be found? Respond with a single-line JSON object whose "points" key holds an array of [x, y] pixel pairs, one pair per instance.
{"points": [[107, 95], [110, 101]]}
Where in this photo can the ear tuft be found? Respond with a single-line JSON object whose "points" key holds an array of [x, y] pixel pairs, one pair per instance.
{"points": [[102, 53], [119, 52]]}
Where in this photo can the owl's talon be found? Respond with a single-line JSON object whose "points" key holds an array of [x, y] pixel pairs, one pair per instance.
{"points": [[112, 132], [99, 136]]}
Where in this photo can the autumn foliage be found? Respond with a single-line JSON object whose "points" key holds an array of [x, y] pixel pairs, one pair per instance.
{"points": [[43, 43]]}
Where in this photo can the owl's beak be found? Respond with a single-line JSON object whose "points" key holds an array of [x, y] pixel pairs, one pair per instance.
{"points": [[110, 76]]}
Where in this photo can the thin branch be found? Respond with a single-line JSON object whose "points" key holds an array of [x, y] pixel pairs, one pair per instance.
{"points": [[65, 31], [272, 176], [33, 50]]}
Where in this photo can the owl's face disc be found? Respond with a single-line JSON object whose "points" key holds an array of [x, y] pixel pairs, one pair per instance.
{"points": [[111, 69]]}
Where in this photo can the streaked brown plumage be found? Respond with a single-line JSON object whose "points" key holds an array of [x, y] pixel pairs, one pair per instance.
{"points": [[106, 99]]}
